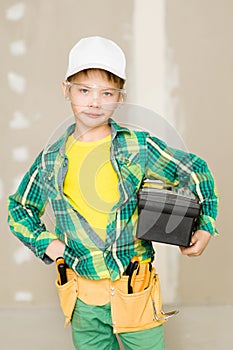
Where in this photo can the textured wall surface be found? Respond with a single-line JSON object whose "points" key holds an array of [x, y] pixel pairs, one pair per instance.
{"points": [[199, 35], [196, 39]]}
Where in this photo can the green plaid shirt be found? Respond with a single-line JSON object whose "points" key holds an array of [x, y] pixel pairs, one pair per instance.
{"points": [[135, 155]]}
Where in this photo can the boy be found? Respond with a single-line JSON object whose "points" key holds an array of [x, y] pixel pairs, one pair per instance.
{"points": [[91, 177]]}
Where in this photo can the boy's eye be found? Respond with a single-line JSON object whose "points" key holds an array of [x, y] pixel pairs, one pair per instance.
{"points": [[84, 91], [107, 93]]}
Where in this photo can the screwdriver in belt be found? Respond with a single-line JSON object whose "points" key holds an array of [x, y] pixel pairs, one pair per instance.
{"points": [[61, 268], [131, 271]]}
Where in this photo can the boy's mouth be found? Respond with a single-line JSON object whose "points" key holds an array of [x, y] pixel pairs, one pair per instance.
{"points": [[93, 114]]}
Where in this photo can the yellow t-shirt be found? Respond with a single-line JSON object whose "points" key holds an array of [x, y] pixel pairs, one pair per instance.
{"points": [[91, 183]]}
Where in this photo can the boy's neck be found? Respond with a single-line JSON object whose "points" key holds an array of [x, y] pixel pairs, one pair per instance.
{"points": [[93, 134]]}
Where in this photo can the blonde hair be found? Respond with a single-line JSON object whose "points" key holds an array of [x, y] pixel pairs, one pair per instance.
{"points": [[119, 82]]}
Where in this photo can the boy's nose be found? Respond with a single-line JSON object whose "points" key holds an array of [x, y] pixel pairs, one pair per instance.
{"points": [[95, 100]]}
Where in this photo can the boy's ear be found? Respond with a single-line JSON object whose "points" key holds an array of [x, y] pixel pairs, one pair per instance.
{"points": [[65, 90], [121, 98], [63, 85]]}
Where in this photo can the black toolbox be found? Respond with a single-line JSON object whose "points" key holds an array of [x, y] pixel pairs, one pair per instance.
{"points": [[166, 216]]}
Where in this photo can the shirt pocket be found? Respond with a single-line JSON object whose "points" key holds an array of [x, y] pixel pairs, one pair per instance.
{"points": [[47, 179], [131, 169]]}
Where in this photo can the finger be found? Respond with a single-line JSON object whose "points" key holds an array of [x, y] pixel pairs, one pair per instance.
{"points": [[190, 251], [185, 251], [194, 239]]}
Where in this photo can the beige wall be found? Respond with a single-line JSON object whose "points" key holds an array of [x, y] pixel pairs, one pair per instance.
{"points": [[199, 34], [35, 40]]}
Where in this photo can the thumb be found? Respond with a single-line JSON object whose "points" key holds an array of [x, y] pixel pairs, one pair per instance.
{"points": [[194, 239]]}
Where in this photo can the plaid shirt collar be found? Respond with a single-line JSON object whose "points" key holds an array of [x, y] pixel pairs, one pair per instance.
{"points": [[60, 144]]}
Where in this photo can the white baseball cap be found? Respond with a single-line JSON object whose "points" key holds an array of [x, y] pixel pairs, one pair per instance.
{"points": [[96, 52]]}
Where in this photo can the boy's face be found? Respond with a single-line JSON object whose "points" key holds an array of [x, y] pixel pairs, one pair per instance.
{"points": [[93, 98]]}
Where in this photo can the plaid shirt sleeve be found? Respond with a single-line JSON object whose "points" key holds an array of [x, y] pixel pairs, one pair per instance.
{"points": [[185, 170], [25, 209]]}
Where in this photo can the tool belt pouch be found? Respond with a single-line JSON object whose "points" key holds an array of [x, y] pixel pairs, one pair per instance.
{"points": [[137, 311], [68, 294]]}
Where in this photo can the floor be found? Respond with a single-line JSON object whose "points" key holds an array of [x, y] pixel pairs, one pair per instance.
{"points": [[202, 328]]}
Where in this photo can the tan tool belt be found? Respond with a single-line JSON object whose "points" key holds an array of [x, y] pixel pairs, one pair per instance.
{"points": [[130, 312]]}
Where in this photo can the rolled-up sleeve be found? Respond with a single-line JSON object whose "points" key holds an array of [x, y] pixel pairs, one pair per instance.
{"points": [[25, 208], [183, 169]]}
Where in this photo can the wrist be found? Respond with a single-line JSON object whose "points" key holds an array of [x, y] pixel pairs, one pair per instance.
{"points": [[55, 249]]}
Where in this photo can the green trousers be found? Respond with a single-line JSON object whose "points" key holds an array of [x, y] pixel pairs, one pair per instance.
{"points": [[92, 330]]}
